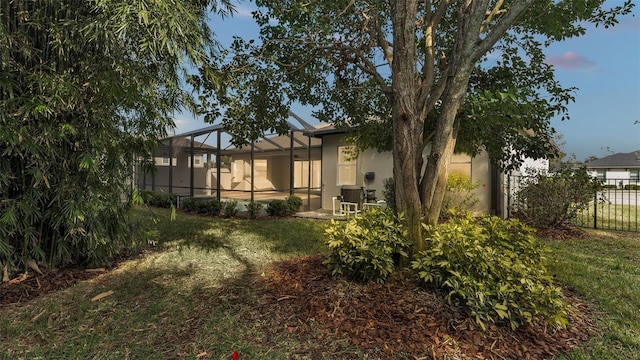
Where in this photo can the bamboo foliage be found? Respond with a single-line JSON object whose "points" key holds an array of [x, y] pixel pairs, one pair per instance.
{"points": [[85, 86]]}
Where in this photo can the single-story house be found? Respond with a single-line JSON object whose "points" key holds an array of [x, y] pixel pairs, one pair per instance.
{"points": [[619, 169], [313, 162]]}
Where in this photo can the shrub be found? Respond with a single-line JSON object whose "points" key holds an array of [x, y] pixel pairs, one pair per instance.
{"points": [[553, 200], [389, 193], [278, 207], [290, 205], [253, 209], [294, 203], [189, 204], [494, 267], [145, 195], [230, 208], [159, 199], [202, 206], [367, 247], [632, 187], [459, 195], [212, 207]]}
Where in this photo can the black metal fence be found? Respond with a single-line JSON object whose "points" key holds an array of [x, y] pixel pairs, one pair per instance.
{"points": [[615, 207]]}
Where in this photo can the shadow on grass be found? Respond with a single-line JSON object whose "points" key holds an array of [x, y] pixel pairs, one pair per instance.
{"points": [[285, 237], [152, 313], [196, 298]]}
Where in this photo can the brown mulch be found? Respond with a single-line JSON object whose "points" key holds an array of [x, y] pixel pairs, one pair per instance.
{"points": [[401, 319], [565, 233], [27, 287]]}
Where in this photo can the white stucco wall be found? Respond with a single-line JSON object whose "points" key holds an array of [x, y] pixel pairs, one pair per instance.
{"points": [[477, 169]]}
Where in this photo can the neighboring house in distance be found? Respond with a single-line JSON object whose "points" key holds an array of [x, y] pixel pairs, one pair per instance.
{"points": [[616, 169], [340, 172]]}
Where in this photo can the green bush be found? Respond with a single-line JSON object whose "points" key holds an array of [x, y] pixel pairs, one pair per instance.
{"points": [[632, 187], [230, 208], [145, 195], [202, 206], [389, 193], [609, 186], [495, 267], [367, 247], [278, 207], [253, 209], [294, 203], [553, 200], [459, 196], [290, 205], [212, 207], [159, 199]]}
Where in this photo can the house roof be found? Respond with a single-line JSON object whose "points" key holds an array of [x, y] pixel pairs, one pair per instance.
{"points": [[297, 126], [279, 143], [620, 160], [324, 129], [181, 144]]}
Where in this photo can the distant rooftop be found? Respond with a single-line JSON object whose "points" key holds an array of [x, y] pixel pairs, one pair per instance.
{"points": [[620, 160]]}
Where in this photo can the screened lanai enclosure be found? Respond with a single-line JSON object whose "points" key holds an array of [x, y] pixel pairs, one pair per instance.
{"points": [[203, 163]]}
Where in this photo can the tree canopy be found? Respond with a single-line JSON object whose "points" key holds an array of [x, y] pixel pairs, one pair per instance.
{"points": [[85, 87], [417, 77]]}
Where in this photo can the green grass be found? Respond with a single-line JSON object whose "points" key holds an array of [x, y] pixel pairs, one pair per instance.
{"points": [[611, 217], [605, 270], [194, 298]]}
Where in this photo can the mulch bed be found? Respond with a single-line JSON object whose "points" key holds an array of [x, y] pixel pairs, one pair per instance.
{"points": [[24, 288], [402, 319], [566, 233]]}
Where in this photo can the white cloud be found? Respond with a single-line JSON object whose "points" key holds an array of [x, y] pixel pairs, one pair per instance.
{"points": [[243, 11], [571, 61]]}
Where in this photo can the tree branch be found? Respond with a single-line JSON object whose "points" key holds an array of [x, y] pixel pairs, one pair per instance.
{"points": [[378, 35], [432, 19], [367, 68], [496, 10], [497, 31]]}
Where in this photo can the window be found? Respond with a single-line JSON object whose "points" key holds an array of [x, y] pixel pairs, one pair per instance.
{"points": [[301, 174], [634, 175], [601, 174], [346, 165], [197, 161], [164, 161]]}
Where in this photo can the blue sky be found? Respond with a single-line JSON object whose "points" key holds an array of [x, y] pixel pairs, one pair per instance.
{"points": [[604, 65]]}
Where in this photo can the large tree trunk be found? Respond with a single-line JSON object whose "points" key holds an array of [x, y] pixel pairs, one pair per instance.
{"points": [[418, 195], [407, 125], [433, 184]]}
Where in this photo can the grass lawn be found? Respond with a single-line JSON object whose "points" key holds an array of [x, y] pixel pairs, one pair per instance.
{"points": [[194, 299], [605, 270], [187, 301], [611, 216]]}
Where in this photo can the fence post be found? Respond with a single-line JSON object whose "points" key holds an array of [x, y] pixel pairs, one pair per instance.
{"points": [[595, 209]]}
